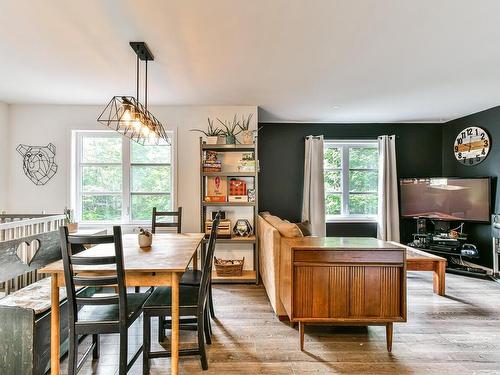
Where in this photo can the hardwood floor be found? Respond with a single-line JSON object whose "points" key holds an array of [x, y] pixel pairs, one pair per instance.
{"points": [[455, 334]]}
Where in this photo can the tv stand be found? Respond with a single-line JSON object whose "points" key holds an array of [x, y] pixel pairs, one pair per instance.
{"points": [[448, 243]]}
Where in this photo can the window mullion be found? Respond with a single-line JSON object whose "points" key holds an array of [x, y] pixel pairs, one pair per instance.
{"points": [[126, 211], [345, 180], [78, 177]]}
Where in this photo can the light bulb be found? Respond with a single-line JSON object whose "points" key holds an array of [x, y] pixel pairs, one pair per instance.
{"points": [[137, 125], [127, 115]]}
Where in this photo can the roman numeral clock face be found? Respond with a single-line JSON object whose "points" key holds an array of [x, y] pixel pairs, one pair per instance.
{"points": [[472, 145]]}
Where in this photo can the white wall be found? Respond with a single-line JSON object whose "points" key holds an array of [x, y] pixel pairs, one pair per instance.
{"points": [[43, 124], [4, 134]]}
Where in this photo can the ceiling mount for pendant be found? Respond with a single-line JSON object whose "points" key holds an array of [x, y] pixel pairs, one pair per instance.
{"points": [[128, 116], [142, 51]]}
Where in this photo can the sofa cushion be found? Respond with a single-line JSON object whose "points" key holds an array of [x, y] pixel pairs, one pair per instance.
{"points": [[285, 228], [306, 228], [35, 296]]}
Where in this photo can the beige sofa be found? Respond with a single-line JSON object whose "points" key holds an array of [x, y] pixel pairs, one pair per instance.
{"points": [[269, 260]]}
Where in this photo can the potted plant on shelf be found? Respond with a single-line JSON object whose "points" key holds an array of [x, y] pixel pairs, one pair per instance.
{"points": [[231, 130], [70, 220], [246, 133], [212, 133], [145, 238]]}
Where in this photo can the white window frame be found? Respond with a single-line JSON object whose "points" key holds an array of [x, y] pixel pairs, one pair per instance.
{"points": [[344, 146], [126, 193]]}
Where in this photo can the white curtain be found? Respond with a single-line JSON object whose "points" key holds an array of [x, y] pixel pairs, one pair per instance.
{"points": [[388, 208], [313, 203]]}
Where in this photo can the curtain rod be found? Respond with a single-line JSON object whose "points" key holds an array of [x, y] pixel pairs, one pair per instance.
{"points": [[349, 138]]}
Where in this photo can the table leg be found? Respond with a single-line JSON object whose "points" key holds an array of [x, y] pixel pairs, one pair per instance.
{"points": [[175, 323], [54, 326], [439, 278], [195, 260]]}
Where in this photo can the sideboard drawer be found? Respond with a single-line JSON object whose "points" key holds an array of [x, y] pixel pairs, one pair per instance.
{"points": [[350, 256]]}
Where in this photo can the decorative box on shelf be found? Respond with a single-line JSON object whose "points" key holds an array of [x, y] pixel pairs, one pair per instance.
{"points": [[238, 198], [237, 187], [223, 231], [216, 189]]}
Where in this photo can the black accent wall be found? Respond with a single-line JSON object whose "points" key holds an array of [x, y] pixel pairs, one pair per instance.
{"points": [[480, 234], [281, 156]]}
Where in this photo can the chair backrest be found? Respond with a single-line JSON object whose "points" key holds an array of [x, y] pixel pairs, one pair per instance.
{"points": [[177, 224], [208, 264], [71, 279]]}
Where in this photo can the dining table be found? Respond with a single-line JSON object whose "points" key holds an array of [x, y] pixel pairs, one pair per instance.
{"points": [[161, 264]]}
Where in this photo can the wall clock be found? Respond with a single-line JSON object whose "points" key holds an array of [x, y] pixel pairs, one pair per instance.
{"points": [[472, 145]]}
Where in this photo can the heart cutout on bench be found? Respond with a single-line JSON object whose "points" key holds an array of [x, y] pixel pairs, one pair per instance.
{"points": [[26, 251]]}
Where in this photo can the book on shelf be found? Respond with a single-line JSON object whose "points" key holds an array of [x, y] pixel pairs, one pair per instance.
{"points": [[212, 167], [210, 157], [247, 163]]}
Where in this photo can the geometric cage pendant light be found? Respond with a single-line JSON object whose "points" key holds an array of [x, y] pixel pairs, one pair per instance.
{"points": [[128, 116]]}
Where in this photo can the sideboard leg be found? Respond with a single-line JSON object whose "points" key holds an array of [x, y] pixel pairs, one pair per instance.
{"points": [[301, 333], [388, 336]]}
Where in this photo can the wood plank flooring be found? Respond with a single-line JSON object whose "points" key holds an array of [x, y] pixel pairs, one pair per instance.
{"points": [[456, 334]]}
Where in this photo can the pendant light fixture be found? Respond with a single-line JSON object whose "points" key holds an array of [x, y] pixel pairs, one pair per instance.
{"points": [[128, 116]]}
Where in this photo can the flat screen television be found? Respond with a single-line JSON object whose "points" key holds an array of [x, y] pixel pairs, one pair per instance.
{"points": [[447, 199]]}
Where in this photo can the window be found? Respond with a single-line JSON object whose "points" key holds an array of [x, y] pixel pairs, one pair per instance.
{"points": [[351, 180], [118, 180]]}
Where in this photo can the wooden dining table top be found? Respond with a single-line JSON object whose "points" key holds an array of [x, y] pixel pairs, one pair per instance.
{"points": [[169, 252]]}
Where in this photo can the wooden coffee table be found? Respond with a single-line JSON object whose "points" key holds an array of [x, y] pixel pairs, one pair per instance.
{"points": [[419, 260]]}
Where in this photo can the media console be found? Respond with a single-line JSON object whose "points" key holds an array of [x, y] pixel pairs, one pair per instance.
{"points": [[449, 243]]}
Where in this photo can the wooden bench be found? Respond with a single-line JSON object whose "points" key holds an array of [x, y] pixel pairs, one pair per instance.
{"points": [[25, 313], [418, 260]]}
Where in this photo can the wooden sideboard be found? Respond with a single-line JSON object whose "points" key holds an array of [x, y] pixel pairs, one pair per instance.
{"points": [[343, 280]]}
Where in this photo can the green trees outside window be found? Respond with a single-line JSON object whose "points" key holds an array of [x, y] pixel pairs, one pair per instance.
{"points": [[119, 179], [351, 179]]}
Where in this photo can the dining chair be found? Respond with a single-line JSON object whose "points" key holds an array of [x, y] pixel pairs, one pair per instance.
{"points": [[193, 310], [192, 276], [159, 224], [103, 313]]}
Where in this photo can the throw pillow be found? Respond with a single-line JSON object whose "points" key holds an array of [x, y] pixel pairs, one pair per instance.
{"points": [[306, 228], [285, 229]]}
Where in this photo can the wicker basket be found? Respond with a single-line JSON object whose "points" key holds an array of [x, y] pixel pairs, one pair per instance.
{"points": [[230, 267]]}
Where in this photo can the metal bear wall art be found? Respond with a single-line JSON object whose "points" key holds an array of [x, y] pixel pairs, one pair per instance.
{"points": [[38, 162]]}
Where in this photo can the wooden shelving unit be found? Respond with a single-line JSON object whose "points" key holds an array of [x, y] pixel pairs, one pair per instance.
{"points": [[229, 174], [248, 276], [236, 204], [235, 240]]}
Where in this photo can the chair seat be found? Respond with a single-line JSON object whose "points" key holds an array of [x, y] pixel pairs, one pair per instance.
{"points": [[191, 277], [162, 297], [103, 313]]}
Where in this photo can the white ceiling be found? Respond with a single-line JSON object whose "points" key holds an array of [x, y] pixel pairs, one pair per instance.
{"points": [[308, 60]]}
